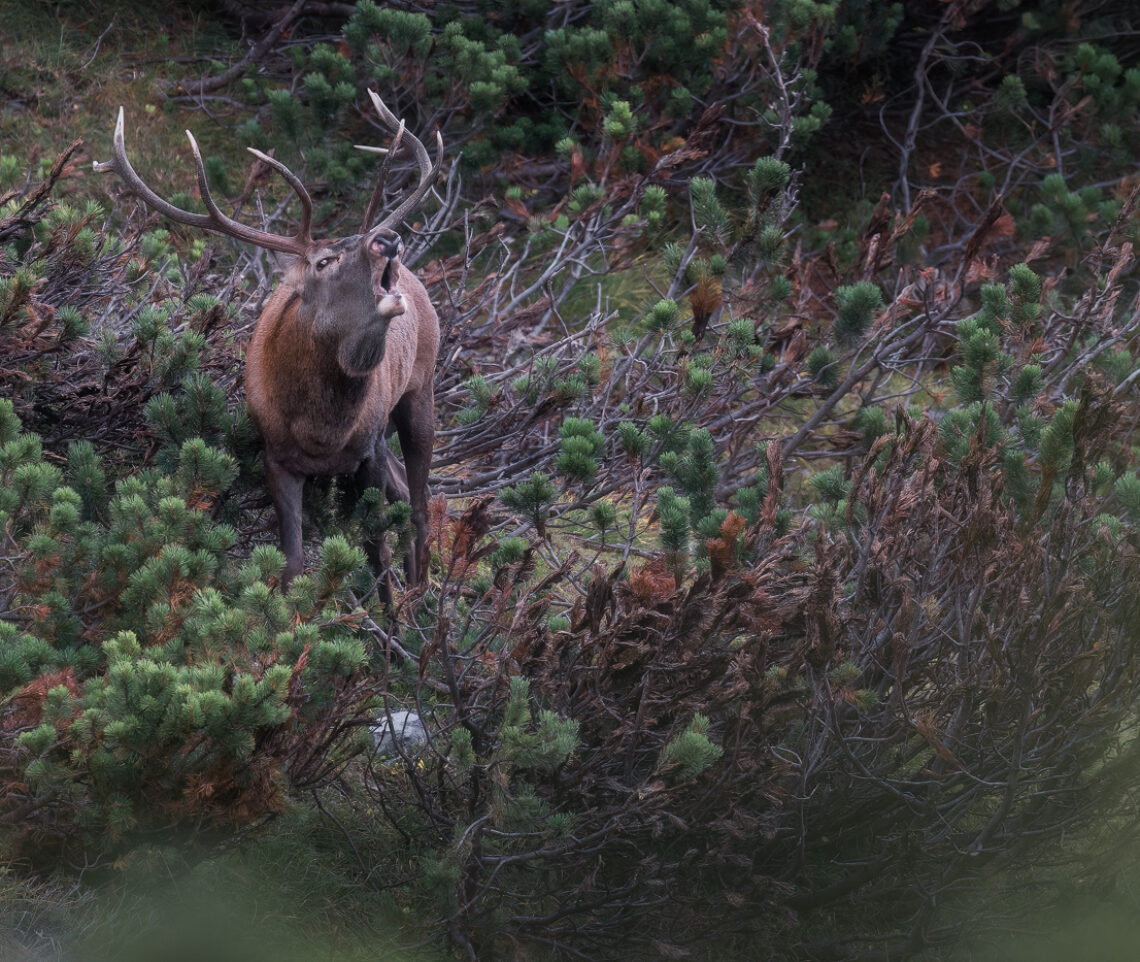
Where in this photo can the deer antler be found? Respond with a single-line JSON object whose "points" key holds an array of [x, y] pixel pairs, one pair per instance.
{"points": [[215, 220], [428, 170], [382, 177]]}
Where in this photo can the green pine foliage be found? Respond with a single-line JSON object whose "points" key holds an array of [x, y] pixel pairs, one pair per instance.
{"points": [[750, 498], [633, 440], [673, 514], [500, 79], [532, 498], [691, 752], [1127, 490], [580, 447], [821, 365], [856, 305], [165, 665], [663, 315], [696, 474]]}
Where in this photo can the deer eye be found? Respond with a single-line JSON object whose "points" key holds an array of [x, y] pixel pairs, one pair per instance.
{"points": [[324, 262]]}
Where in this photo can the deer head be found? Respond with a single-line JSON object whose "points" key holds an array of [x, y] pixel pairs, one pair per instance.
{"points": [[344, 352]]}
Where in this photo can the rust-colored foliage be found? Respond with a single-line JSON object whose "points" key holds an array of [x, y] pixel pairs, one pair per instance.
{"points": [[722, 550], [25, 708]]}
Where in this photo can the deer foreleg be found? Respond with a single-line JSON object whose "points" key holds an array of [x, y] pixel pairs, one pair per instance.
{"points": [[285, 488]]}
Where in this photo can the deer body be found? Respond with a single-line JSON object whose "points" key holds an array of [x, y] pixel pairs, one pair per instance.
{"points": [[343, 353], [326, 381]]}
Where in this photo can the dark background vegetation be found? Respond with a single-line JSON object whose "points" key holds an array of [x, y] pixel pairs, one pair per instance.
{"points": [[784, 533]]}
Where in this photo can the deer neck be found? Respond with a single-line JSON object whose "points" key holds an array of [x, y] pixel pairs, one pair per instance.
{"points": [[307, 371]]}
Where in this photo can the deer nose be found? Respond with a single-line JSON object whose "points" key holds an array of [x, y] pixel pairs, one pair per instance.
{"points": [[387, 244]]}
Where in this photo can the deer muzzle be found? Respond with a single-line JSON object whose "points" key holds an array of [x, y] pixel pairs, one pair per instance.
{"points": [[384, 248]]}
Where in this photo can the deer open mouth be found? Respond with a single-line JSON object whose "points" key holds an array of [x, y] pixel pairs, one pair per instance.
{"points": [[387, 249], [383, 284]]}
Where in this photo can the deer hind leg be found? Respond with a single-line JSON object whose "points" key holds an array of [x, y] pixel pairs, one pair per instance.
{"points": [[414, 417]]}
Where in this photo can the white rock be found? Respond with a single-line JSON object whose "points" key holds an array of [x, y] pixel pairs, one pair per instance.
{"points": [[407, 732]]}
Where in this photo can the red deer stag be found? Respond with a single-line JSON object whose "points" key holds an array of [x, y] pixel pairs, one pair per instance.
{"points": [[344, 351]]}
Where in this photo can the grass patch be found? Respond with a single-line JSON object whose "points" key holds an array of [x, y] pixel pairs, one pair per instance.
{"points": [[65, 70]]}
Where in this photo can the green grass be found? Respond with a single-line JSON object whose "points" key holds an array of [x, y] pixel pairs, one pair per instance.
{"points": [[65, 69]]}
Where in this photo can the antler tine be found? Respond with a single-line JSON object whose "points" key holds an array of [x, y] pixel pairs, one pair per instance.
{"points": [[215, 220], [259, 238], [298, 188], [122, 166], [382, 177], [428, 170]]}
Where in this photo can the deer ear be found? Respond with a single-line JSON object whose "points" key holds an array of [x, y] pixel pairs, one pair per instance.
{"points": [[279, 262]]}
